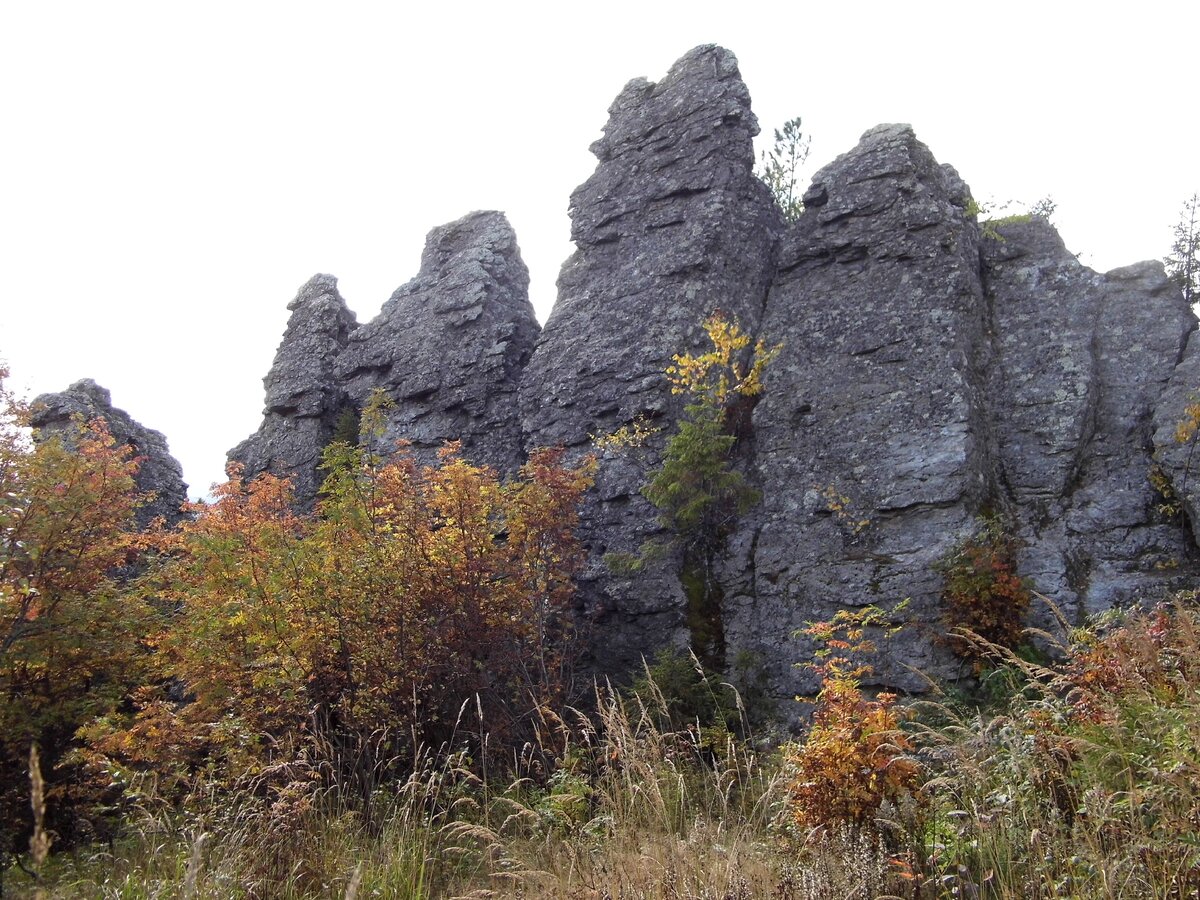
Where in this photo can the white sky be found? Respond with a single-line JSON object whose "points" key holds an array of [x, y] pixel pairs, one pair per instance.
{"points": [[171, 173]]}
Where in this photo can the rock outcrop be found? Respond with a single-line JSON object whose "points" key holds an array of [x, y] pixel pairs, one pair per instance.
{"points": [[447, 349], [1082, 360], [671, 226], [871, 440], [304, 399], [933, 370], [159, 473]]}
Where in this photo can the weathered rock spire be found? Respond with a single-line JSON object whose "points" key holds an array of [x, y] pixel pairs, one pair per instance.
{"points": [[158, 473], [447, 348]]}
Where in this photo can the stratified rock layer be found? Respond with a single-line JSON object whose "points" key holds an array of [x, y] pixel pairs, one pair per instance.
{"points": [[932, 371], [672, 226], [159, 473], [446, 349]]}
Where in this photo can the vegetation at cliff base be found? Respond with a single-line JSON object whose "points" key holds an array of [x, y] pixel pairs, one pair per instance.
{"points": [[378, 700]]}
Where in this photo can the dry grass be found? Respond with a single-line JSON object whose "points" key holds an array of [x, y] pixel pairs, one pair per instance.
{"points": [[1086, 784]]}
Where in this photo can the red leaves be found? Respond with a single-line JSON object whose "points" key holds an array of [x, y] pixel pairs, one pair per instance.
{"points": [[411, 590], [984, 596]]}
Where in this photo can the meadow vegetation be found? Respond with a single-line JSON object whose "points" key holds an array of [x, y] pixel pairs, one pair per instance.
{"points": [[379, 701]]}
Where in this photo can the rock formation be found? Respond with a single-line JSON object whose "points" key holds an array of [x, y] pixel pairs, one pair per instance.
{"points": [[871, 439], [304, 400], [672, 225], [933, 370], [447, 349], [159, 473], [1081, 362], [931, 374]]}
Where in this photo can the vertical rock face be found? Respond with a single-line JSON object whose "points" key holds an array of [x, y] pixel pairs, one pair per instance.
{"points": [[1179, 460], [449, 346], [159, 472], [871, 443], [928, 377], [1081, 362], [931, 372], [304, 399], [671, 226], [447, 349]]}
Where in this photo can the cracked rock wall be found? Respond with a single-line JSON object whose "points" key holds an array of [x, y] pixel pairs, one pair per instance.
{"points": [[933, 370]]}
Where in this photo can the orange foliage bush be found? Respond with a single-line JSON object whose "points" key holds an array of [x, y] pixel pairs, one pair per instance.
{"points": [[983, 594], [1153, 653], [413, 593], [855, 756], [70, 641], [853, 760]]}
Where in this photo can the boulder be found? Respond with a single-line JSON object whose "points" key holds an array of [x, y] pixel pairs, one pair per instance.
{"points": [[159, 473]]}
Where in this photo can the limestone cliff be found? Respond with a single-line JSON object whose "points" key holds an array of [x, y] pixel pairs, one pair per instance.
{"points": [[447, 348], [933, 369], [671, 226]]}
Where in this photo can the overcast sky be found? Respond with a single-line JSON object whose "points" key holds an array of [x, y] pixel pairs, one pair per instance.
{"points": [[171, 173]]}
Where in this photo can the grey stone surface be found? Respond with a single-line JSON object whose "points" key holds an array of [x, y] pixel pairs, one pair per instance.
{"points": [[159, 473], [871, 442], [670, 227], [303, 396], [1081, 362], [447, 349], [932, 371], [449, 346]]}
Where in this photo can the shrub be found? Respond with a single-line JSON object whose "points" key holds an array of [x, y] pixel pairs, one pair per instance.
{"points": [[983, 596], [71, 634], [351, 637], [855, 757]]}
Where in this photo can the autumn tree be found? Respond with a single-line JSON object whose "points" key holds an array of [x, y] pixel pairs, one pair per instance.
{"points": [[70, 635], [413, 592], [697, 490], [1183, 262]]}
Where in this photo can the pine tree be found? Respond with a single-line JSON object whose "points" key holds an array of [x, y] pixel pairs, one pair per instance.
{"points": [[781, 165], [1183, 262]]}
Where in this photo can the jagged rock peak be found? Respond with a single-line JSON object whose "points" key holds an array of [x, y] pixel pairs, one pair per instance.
{"points": [[703, 88], [672, 225], [303, 397], [480, 245], [1082, 361], [447, 348], [689, 133], [881, 193], [301, 380], [319, 288], [159, 471], [871, 446]]}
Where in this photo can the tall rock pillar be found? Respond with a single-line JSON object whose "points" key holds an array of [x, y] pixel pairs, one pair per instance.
{"points": [[672, 226]]}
